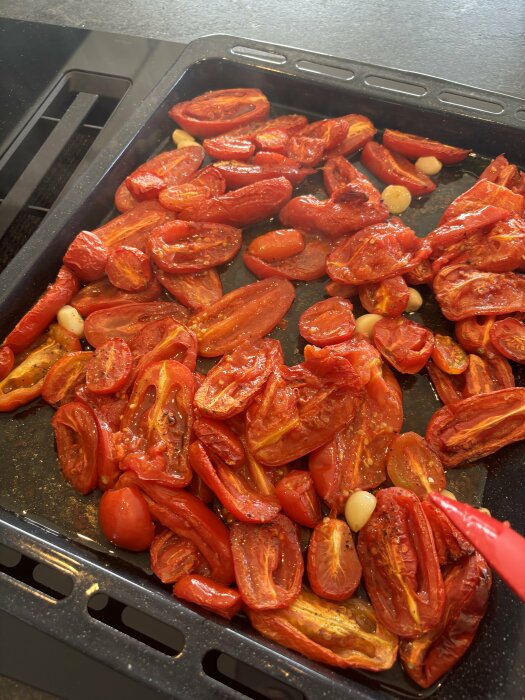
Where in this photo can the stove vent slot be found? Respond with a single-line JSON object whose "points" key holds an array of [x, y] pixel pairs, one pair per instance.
{"points": [[42, 159]]}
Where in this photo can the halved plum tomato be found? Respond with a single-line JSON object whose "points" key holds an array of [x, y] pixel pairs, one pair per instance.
{"points": [[394, 169], [168, 168], [196, 290], [449, 387], [360, 130], [101, 294], [190, 519], [268, 563], [376, 253], [124, 201], [25, 381], [132, 227], [125, 518], [232, 383], [478, 426], [388, 297], [485, 374], [218, 111], [206, 183], [310, 144], [43, 312], [327, 322], [64, 377], [307, 265], [344, 634], [164, 339], [467, 589], [87, 256], [239, 174], [404, 343], [504, 173], [110, 367], [481, 193], [7, 361], [172, 557], [462, 291], [473, 334], [298, 498], [220, 440], [186, 247], [344, 182], [508, 337], [126, 320], [128, 268], [247, 205], [448, 355], [412, 465], [277, 245], [414, 147], [451, 544], [156, 426], [209, 594], [333, 567], [76, 438], [400, 564], [502, 248], [249, 312]]}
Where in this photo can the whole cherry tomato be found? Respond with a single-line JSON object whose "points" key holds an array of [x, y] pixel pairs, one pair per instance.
{"points": [[110, 367], [76, 438], [126, 320], [172, 557], [375, 253], [185, 247], [334, 570], [233, 382], [414, 147], [448, 355], [101, 294], [268, 563], [43, 312], [345, 634], [87, 256], [467, 589], [125, 519], [64, 377], [206, 183], [168, 168], [218, 111], [478, 426], [129, 268], [249, 312], [156, 425], [395, 169], [243, 207], [132, 227], [309, 264], [298, 498], [395, 543], [7, 361], [388, 297], [508, 337], [196, 290], [404, 343], [327, 322], [209, 594], [412, 465]]}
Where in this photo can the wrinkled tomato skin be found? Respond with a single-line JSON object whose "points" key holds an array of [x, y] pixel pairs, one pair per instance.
{"points": [[477, 426], [308, 265], [191, 519], [268, 563], [485, 374], [110, 367], [448, 355], [239, 174], [124, 200], [394, 169], [331, 633], [101, 295], [218, 111], [473, 334], [339, 289], [412, 465], [196, 291], [481, 193], [87, 256], [360, 131], [7, 361], [414, 147], [233, 490], [508, 337], [129, 269], [76, 438], [387, 298], [172, 557], [334, 570], [125, 519], [247, 313], [209, 594], [64, 377], [43, 312], [165, 339], [168, 168], [449, 387], [231, 384], [298, 498], [186, 247], [327, 322], [206, 183], [451, 545], [243, 207], [404, 343], [395, 543], [133, 227], [467, 589], [220, 440]]}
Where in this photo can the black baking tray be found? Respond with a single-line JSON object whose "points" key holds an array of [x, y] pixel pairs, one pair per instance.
{"points": [[46, 522]]}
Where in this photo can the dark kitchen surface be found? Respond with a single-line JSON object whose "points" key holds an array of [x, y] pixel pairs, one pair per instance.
{"points": [[471, 43]]}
